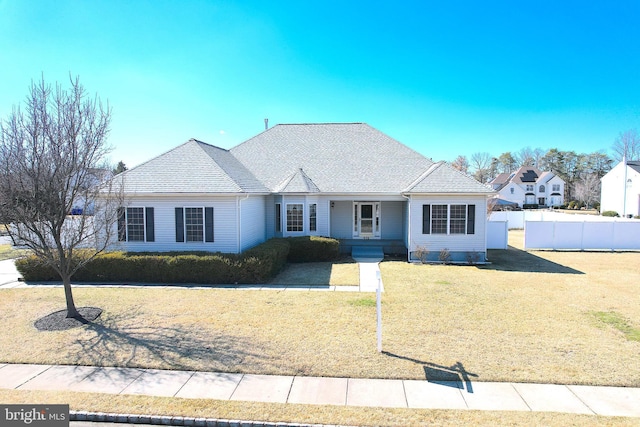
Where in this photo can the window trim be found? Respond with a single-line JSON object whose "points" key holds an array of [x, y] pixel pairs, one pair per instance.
{"points": [[208, 222], [299, 220], [469, 219], [313, 217], [148, 224]]}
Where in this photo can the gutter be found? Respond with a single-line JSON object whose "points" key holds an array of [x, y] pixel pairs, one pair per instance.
{"points": [[239, 220], [408, 226]]}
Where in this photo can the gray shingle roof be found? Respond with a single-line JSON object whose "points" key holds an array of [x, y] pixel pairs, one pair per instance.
{"points": [[634, 164], [305, 158], [336, 157], [193, 167], [443, 178], [297, 182]]}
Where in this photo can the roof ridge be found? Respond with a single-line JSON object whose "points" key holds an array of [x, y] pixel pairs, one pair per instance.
{"points": [[424, 174]]}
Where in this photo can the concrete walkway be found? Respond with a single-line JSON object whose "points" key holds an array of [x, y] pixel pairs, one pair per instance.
{"points": [[9, 278], [379, 393]]}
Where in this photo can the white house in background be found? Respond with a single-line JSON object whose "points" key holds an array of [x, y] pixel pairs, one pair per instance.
{"points": [[348, 181], [620, 190], [530, 186]]}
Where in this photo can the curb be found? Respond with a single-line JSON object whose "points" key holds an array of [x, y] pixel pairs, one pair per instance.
{"points": [[180, 421]]}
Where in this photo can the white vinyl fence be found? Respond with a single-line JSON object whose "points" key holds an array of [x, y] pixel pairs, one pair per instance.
{"points": [[497, 234], [544, 229], [582, 235], [516, 219]]}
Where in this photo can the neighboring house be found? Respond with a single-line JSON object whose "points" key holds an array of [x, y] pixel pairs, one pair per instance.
{"points": [[620, 189], [529, 186], [346, 181], [94, 178]]}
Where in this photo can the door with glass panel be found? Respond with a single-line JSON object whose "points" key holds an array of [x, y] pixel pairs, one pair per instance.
{"points": [[366, 220]]}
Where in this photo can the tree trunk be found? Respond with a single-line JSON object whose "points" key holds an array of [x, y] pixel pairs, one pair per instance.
{"points": [[71, 306]]}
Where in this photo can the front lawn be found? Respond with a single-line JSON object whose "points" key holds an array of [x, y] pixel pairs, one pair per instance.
{"points": [[527, 317]]}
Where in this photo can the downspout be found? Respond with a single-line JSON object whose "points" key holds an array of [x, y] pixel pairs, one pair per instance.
{"points": [[239, 220], [408, 226]]}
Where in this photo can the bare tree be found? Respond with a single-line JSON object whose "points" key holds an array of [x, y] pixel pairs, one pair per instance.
{"points": [[525, 157], [480, 163], [50, 158], [627, 144], [461, 163], [507, 163], [537, 155], [587, 189]]}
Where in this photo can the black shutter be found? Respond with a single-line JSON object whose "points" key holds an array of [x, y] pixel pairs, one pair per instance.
{"points": [[208, 224], [150, 232], [122, 225], [471, 219], [426, 219], [179, 225]]}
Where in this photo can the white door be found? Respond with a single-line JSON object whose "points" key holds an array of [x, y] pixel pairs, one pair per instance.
{"points": [[366, 220]]}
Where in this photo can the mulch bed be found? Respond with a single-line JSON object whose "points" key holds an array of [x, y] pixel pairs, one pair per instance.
{"points": [[58, 321]]}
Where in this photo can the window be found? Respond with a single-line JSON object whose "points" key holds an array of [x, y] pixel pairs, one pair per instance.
{"points": [[439, 219], [542, 189], [312, 217], [135, 224], [458, 221], [294, 217], [194, 224], [529, 187], [512, 190], [448, 219], [278, 218], [556, 187]]}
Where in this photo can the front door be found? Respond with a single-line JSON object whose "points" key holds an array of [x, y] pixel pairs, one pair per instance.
{"points": [[366, 223]]}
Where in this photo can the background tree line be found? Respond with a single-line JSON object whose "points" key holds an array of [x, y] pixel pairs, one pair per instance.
{"points": [[580, 171]]}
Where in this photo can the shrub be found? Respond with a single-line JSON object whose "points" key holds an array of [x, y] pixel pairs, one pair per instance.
{"points": [[256, 265], [445, 256], [422, 252], [312, 249], [610, 213]]}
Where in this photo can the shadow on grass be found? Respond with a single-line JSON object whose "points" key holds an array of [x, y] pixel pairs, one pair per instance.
{"points": [[514, 259], [117, 342], [450, 376]]}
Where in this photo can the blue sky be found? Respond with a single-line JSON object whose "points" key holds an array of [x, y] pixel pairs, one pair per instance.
{"points": [[445, 78]]}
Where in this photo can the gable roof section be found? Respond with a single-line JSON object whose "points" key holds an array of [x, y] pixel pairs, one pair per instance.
{"points": [[442, 178], [297, 182], [634, 164], [526, 174], [193, 167], [335, 157]]}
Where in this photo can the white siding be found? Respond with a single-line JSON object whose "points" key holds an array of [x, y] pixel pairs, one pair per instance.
{"points": [[516, 197], [225, 230], [454, 243], [392, 224], [270, 218], [613, 190], [342, 219], [253, 227]]}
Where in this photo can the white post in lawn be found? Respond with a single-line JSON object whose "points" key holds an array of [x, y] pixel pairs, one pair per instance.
{"points": [[379, 311]]}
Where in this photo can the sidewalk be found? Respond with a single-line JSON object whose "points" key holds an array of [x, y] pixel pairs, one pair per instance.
{"points": [[368, 282], [379, 393]]}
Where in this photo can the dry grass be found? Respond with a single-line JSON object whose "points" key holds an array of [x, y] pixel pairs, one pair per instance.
{"points": [[9, 252], [332, 415], [528, 317], [341, 273]]}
